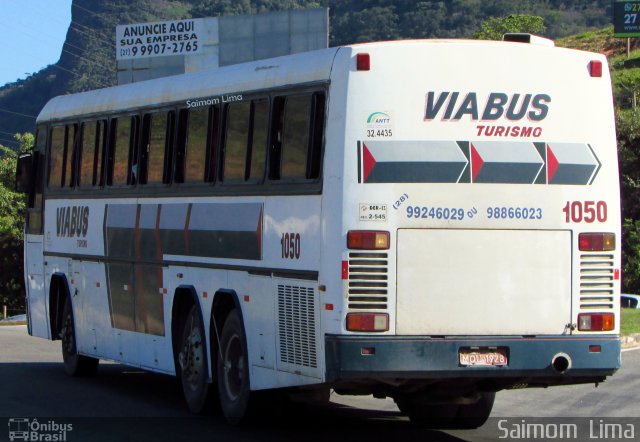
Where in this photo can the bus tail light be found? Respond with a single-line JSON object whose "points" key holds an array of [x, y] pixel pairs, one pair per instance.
{"points": [[363, 62], [595, 68], [596, 321], [368, 322], [596, 242], [367, 240]]}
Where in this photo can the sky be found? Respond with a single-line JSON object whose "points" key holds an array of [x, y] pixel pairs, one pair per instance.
{"points": [[33, 32]]}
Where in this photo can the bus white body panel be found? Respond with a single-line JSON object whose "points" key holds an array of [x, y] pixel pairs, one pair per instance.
{"points": [[488, 281]]}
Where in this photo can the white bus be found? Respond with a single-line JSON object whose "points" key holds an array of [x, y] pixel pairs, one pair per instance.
{"points": [[431, 221]]}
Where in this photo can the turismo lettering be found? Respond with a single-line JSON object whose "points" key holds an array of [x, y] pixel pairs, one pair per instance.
{"points": [[72, 221]]}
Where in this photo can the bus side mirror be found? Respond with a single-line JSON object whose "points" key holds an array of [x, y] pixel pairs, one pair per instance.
{"points": [[24, 173]]}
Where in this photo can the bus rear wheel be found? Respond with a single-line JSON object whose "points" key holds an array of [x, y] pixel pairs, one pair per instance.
{"points": [[193, 362], [74, 363], [475, 415], [423, 414], [233, 371]]}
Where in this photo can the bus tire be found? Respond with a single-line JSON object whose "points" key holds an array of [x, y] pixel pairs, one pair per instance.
{"points": [[192, 358], [475, 415], [233, 371], [74, 363]]}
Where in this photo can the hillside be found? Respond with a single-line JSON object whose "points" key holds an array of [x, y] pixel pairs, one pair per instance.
{"points": [[87, 60]]}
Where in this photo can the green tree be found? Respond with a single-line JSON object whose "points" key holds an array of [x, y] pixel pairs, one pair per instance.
{"points": [[12, 212], [628, 126], [495, 27]]}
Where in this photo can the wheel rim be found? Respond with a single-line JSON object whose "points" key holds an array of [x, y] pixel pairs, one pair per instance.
{"points": [[193, 357], [233, 367], [68, 341]]}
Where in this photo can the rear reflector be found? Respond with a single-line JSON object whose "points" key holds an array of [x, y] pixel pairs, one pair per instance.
{"points": [[595, 68], [596, 321], [367, 240], [596, 242], [363, 62], [368, 322], [595, 348]]}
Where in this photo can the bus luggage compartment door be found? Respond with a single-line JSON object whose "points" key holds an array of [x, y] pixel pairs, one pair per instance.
{"points": [[483, 282]]}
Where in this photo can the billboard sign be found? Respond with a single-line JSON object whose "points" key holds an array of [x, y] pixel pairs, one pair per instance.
{"points": [[158, 39], [626, 18]]}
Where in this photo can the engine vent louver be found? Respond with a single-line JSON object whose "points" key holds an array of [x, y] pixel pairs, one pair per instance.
{"points": [[596, 281], [297, 326], [368, 281]]}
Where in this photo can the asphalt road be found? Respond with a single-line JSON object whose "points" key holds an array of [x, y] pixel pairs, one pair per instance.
{"points": [[124, 404]]}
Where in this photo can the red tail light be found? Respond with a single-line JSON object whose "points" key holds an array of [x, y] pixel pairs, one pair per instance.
{"points": [[596, 321], [596, 242], [363, 62], [367, 240], [595, 68], [368, 322]]}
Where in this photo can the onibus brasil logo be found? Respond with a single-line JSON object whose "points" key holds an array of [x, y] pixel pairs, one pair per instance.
{"points": [[31, 430]]}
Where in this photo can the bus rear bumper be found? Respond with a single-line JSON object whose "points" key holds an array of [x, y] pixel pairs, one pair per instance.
{"points": [[590, 358]]}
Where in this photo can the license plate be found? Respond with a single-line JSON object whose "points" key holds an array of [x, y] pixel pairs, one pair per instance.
{"points": [[479, 357]]}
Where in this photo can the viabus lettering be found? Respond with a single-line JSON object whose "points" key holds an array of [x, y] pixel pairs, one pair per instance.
{"points": [[72, 221], [514, 107]]}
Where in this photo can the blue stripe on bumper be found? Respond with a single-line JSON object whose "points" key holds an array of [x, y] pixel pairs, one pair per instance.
{"points": [[419, 357]]}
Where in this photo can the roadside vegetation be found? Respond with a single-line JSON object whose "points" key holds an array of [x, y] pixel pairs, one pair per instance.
{"points": [[630, 322]]}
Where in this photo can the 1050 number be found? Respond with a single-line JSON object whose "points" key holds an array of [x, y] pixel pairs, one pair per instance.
{"points": [[585, 211], [290, 243]]}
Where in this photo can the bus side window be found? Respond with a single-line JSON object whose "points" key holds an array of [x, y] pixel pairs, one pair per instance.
{"points": [[246, 141], [198, 142], [62, 156], [156, 133], [296, 137], [314, 161], [236, 140], [56, 156], [90, 135], [71, 156], [258, 144], [123, 164], [101, 152], [34, 207]]}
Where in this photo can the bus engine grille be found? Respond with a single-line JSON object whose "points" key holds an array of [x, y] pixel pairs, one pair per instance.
{"points": [[368, 281], [596, 281], [297, 325]]}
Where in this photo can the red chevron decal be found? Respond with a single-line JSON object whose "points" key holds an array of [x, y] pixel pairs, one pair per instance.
{"points": [[368, 162], [552, 164], [476, 163]]}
